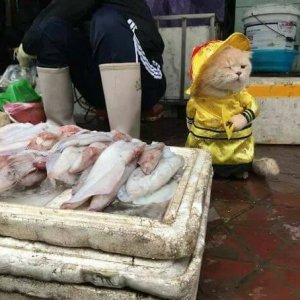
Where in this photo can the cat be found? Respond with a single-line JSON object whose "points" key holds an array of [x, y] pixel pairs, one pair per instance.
{"points": [[220, 113], [229, 71]]}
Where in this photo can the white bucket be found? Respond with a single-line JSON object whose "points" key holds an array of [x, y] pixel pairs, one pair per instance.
{"points": [[271, 26]]}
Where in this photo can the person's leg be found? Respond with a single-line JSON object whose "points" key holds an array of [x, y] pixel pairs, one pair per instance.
{"points": [[113, 41], [62, 46], [153, 90], [113, 49]]}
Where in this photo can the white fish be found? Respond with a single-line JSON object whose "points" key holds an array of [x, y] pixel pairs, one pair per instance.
{"points": [[139, 184], [43, 141], [163, 194], [68, 130], [13, 168], [13, 148], [99, 202], [10, 129], [84, 139], [107, 172], [23, 133], [59, 164], [19, 138], [33, 178], [81, 180], [87, 157], [87, 138], [6, 181], [150, 157]]}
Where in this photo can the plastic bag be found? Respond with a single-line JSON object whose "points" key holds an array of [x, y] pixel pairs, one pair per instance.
{"points": [[14, 73], [19, 91]]}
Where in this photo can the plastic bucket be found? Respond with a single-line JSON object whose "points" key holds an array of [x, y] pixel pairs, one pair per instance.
{"points": [[269, 61], [271, 26]]}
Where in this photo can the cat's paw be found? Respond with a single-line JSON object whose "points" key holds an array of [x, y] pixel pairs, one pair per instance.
{"points": [[238, 121]]}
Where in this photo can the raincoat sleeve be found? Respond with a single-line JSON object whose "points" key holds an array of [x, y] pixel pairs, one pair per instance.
{"points": [[190, 112], [250, 106]]}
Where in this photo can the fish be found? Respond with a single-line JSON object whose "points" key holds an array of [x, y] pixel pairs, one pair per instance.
{"points": [[81, 180], [87, 157], [13, 148], [22, 133], [68, 130], [107, 172], [15, 167], [19, 138], [59, 164], [85, 139], [10, 129], [163, 194], [140, 184], [32, 179], [150, 157], [6, 181], [100, 202], [43, 141]]}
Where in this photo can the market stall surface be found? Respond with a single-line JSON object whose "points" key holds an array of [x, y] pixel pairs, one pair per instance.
{"points": [[253, 238]]}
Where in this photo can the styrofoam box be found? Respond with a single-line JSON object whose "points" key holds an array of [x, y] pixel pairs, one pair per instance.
{"points": [[53, 272], [172, 237]]}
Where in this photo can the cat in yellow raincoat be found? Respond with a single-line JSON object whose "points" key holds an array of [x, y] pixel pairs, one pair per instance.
{"points": [[220, 111]]}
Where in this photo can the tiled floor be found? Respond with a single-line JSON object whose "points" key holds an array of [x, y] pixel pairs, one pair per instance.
{"points": [[253, 249], [253, 243]]}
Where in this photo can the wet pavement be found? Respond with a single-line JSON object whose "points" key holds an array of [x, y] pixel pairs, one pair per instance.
{"points": [[253, 239], [253, 246]]}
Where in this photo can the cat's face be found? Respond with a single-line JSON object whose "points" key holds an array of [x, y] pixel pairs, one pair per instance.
{"points": [[228, 71]]}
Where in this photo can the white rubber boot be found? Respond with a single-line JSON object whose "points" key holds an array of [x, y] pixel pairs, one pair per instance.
{"points": [[57, 94], [122, 90]]}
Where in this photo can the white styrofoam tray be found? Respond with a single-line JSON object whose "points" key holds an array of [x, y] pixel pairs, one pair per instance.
{"points": [[53, 272], [172, 237]]}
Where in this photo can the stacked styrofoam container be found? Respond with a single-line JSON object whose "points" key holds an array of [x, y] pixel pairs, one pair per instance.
{"points": [[50, 253]]}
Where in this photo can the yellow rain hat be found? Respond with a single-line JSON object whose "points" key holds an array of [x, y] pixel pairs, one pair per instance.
{"points": [[204, 53]]}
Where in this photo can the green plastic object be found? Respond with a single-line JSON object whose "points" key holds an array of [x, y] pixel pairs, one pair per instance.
{"points": [[19, 91]]}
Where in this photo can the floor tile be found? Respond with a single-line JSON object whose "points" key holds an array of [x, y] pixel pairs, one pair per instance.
{"points": [[221, 243], [221, 275], [228, 210], [293, 279], [288, 257], [257, 215], [285, 199], [260, 239], [266, 285]]}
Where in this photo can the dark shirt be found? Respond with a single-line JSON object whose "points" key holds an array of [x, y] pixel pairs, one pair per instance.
{"points": [[78, 11]]}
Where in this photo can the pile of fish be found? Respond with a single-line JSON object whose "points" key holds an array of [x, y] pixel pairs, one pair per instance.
{"points": [[99, 166]]}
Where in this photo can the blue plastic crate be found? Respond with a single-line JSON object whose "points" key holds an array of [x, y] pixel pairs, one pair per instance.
{"points": [[280, 61]]}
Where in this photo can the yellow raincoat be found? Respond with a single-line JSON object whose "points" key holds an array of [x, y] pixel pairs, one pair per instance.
{"points": [[208, 117]]}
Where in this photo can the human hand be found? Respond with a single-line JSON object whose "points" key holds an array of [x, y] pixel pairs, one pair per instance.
{"points": [[24, 59], [238, 121]]}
